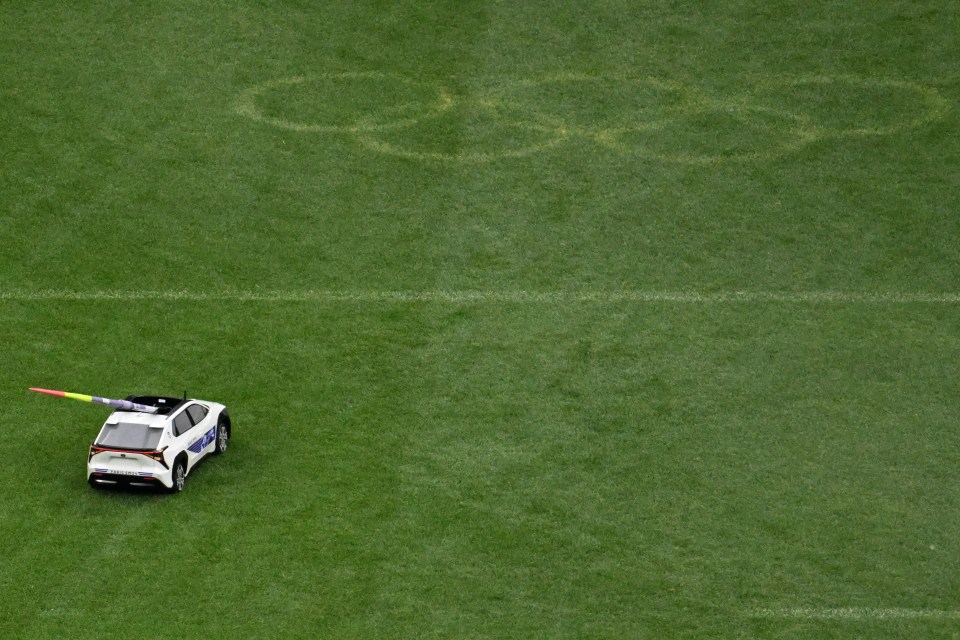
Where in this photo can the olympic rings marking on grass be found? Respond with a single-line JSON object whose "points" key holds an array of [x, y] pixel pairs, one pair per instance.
{"points": [[659, 119], [247, 104], [488, 108], [797, 133], [387, 148], [936, 106], [637, 121]]}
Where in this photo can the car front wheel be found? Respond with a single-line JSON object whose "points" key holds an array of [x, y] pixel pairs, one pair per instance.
{"points": [[223, 438]]}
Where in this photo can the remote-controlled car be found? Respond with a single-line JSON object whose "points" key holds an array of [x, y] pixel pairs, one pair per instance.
{"points": [[153, 440]]}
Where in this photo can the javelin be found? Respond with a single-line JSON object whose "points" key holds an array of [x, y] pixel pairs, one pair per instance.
{"points": [[125, 405]]}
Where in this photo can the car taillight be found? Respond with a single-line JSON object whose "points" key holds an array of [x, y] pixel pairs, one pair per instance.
{"points": [[158, 456], [94, 450]]}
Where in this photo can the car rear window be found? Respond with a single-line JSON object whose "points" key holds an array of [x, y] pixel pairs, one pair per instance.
{"points": [[181, 424], [128, 435]]}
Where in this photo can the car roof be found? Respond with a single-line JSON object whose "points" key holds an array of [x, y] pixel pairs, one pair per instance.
{"points": [[165, 405], [137, 417]]}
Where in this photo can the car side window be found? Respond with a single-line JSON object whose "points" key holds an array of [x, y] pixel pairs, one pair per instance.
{"points": [[197, 413], [181, 424]]}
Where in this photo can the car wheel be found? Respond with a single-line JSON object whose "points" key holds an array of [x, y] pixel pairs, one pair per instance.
{"points": [[179, 476], [93, 483], [223, 438]]}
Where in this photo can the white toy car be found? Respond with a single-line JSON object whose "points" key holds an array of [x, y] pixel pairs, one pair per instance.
{"points": [[153, 440], [143, 449]]}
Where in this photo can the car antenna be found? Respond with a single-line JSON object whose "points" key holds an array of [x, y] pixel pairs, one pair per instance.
{"points": [[184, 394]]}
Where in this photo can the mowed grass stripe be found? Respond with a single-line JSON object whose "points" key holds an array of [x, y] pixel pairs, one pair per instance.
{"points": [[856, 613], [493, 296]]}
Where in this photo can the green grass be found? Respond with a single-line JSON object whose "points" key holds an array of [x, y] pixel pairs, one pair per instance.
{"points": [[520, 452]]}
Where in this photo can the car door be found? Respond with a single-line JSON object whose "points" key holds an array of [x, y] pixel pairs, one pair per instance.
{"points": [[203, 433], [185, 433]]}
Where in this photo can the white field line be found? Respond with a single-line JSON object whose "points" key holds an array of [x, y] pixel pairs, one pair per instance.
{"points": [[491, 296], [857, 613]]}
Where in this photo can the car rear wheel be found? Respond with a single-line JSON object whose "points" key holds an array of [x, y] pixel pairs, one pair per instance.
{"points": [[179, 476]]}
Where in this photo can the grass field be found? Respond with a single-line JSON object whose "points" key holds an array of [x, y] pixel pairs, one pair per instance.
{"points": [[546, 320]]}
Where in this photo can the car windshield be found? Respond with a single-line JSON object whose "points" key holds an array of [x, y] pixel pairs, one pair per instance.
{"points": [[129, 435]]}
